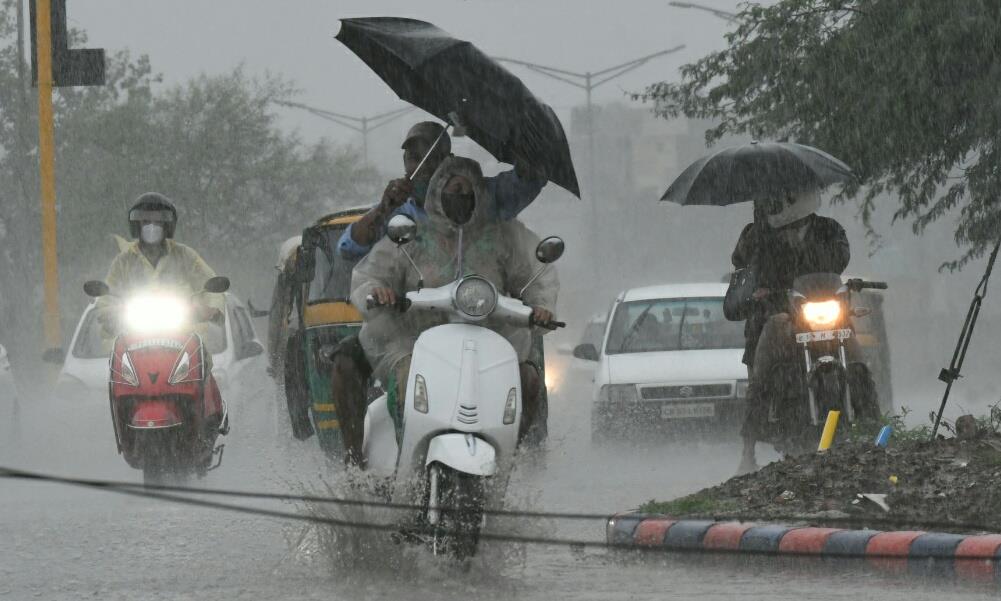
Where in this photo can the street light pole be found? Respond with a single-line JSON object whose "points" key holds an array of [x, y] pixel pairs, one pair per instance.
{"points": [[588, 81], [722, 14], [362, 125]]}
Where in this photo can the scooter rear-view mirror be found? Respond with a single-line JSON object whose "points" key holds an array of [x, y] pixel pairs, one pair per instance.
{"points": [[401, 230], [550, 249], [217, 285], [96, 289]]}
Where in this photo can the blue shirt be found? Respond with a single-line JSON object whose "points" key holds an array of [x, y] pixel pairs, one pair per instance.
{"points": [[511, 195]]}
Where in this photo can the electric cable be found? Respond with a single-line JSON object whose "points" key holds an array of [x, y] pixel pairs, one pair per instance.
{"points": [[138, 490]]}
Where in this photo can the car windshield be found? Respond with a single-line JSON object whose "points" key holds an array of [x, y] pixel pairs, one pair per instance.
{"points": [[332, 278], [672, 324], [93, 343]]}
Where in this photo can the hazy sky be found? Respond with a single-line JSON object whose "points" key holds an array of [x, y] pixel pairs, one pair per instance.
{"points": [[294, 38]]}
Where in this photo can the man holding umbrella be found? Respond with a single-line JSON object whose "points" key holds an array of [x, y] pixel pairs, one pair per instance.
{"points": [[787, 239], [459, 84], [511, 191]]}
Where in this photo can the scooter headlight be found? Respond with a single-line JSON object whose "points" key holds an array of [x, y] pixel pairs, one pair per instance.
{"points": [[822, 314], [475, 297], [127, 375], [155, 313], [511, 406], [182, 371], [420, 394]]}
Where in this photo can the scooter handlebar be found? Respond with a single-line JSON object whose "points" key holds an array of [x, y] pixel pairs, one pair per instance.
{"points": [[402, 303], [550, 325], [858, 284]]}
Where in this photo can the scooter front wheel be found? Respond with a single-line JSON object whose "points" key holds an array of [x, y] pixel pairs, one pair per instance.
{"points": [[454, 512]]}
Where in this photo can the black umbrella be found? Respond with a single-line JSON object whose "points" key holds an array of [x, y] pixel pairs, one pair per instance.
{"points": [[460, 85], [755, 171]]}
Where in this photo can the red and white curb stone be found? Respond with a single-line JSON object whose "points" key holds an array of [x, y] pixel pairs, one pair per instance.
{"points": [[974, 557]]}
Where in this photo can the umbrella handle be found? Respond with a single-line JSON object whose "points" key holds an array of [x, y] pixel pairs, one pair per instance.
{"points": [[430, 150]]}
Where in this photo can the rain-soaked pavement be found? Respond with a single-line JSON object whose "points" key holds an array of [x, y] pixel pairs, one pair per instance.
{"points": [[64, 543]]}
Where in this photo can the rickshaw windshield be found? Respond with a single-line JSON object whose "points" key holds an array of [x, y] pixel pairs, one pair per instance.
{"points": [[332, 275]]}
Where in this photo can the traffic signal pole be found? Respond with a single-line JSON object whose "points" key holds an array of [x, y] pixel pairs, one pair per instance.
{"points": [[47, 172]]}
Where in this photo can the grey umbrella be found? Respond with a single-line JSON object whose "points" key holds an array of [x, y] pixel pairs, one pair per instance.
{"points": [[755, 171]]}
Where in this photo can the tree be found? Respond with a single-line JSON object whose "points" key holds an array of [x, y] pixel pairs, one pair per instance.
{"points": [[904, 92], [242, 185]]}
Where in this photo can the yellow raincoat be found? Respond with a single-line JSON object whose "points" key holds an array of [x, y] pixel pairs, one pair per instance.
{"points": [[180, 269]]}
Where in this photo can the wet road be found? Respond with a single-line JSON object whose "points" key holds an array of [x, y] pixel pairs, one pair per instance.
{"points": [[63, 543]]}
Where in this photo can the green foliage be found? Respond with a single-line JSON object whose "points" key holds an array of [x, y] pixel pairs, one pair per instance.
{"points": [[904, 92], [866, 431], [242, 185]]}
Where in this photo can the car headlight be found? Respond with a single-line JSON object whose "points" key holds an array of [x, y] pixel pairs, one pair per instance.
{"points": [[475, 297], [618, 393], [420, 394], [152, 313], [742, 389], [823, 314]]}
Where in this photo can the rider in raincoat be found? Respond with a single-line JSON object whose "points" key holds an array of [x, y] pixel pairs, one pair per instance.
{"points": [[155, 260], [502, 252]]}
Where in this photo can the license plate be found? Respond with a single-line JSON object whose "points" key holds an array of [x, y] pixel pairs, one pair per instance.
{"points": [[687, 411], [806, 337]]}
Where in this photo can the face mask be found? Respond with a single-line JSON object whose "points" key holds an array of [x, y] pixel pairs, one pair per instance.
{"points": [[458, 207], [151, 233]]}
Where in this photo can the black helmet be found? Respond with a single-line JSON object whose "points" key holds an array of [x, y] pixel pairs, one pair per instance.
{"points": [[152, 206]]}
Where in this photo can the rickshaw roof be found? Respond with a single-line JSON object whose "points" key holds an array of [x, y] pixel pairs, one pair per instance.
{"points": [[342, 217]]}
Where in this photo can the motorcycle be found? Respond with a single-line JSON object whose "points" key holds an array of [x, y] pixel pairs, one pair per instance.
{"points": [[165, 404], [821, 315], [462, 409]]}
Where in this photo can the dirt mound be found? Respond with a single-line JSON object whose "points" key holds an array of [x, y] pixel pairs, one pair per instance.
{"points": [[950, 482]]}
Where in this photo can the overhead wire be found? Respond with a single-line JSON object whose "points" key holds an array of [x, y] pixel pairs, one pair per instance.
{"points": [[158, 492]]}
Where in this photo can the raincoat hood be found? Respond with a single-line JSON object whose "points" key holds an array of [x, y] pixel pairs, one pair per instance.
{"points": [[470, 170], [287, 251], [804, 204]]}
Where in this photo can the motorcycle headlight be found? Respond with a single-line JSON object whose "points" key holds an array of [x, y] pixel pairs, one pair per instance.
{"points": [[154, 313], [618, 393], [823, 314], [475, 297], [420, 394], [511, 406]]}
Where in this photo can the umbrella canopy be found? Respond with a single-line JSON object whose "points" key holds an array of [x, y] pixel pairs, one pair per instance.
{"points": [[430, 69], [755, 171]]}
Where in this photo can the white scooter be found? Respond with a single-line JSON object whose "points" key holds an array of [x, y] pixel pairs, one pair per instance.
{"points": [[462, 408]]}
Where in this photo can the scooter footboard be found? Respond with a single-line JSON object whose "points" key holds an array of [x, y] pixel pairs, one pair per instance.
{"points": [[466, 453]]}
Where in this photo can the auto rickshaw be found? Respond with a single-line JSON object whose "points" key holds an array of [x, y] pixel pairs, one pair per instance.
{"points": [[320, 314]]}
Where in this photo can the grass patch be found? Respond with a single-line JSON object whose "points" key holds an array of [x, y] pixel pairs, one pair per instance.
{"points": [[700, 503]]}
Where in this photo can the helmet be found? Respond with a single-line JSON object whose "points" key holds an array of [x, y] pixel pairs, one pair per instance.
{"points": [[152, 206]]}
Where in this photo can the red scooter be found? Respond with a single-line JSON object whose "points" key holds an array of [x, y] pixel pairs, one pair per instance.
{"points": [[165, 405]]}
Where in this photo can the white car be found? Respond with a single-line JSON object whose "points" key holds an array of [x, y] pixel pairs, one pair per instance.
{"points": [[669, 360], [573, 376], [235, 350]]}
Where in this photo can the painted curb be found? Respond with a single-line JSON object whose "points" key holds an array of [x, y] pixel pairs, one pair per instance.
{"points": [[975, 557]]}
